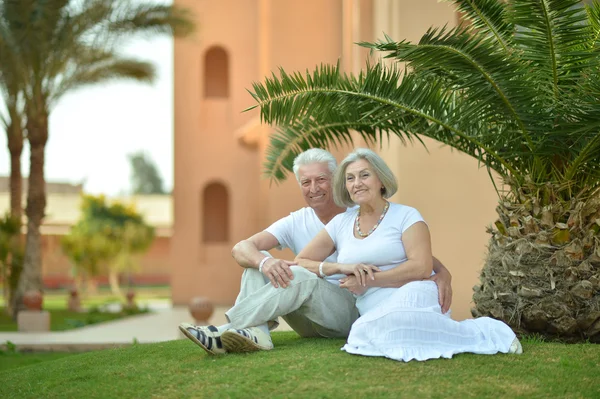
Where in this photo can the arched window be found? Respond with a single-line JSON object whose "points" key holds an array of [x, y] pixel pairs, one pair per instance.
{"points": [[216, 73], [215, 213]]}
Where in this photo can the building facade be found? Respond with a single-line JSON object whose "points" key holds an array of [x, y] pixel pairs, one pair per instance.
{"points": [[219, 195], [63, 210]]}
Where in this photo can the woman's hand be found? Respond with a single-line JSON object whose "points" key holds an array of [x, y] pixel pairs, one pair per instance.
{"points": [[360, 270], [351, 284]]}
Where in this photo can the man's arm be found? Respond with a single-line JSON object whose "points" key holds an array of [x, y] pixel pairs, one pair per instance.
{"points": [[443, 279], [247, 254]]}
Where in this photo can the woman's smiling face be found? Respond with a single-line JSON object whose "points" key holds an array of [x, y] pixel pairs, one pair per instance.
{"points": [[362, 182]]}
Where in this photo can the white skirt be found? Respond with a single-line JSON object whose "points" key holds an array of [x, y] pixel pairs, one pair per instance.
{"points": [[407, 323]]}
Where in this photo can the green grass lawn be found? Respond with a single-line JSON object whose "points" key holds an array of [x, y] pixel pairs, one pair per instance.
{"points": [[12, 360], [304, 368], [57, 299]]}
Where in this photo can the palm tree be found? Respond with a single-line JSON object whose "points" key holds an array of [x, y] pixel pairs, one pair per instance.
{"points": [[12, 120], [517, 88], [62, 45]]}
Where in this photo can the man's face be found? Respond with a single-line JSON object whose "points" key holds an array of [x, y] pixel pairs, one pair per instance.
{"points": [[315, 182]]}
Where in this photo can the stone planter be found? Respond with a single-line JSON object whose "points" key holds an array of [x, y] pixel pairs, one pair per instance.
{"points": [[74, 302], [33, 300], [34, 319], [201, 309], [130, 295]]}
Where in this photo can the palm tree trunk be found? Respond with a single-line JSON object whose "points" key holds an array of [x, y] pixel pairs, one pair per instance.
{"points": [[15, 147], [540, 275], [91, 285], [31, 276], [113, 279]]}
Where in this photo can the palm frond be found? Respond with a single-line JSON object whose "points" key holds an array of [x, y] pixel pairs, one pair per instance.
{"points": [[495, 81], [99, 68], [488, 17], [12, 77], [593, 13], [327, 106], [586, 133], [516, 89], [150, 18], [63, 44], [551, 35]]}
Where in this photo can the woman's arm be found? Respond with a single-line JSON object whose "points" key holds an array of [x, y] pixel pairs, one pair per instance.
{"points": [[417, 245], [316, 251], [319, 249]]}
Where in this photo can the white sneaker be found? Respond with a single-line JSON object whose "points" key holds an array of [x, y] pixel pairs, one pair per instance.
{"points": [[515, 347], [206, 337], [246, 340]]}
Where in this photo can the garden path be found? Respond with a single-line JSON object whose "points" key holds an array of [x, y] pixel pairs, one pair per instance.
{"points": [[157, 326]]}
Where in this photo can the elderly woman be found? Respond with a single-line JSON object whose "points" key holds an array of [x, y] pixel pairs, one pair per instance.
{"points": [[385, 250]]}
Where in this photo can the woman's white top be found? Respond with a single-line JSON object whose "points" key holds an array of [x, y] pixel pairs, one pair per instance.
{"points": [[382, 248]]}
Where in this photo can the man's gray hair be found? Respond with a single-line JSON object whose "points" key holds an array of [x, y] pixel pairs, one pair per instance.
{"points": [[383, 172], [314, 155]]}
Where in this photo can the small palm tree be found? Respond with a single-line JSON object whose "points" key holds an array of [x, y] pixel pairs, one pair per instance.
{"points": [[12, 119], [517, 88], [59, 46], [12, 122]]}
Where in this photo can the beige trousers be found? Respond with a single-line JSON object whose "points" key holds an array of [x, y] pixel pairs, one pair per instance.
{"points": [[310, 305]]}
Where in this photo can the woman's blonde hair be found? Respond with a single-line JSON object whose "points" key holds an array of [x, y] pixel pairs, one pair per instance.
{"points": [[383, 172]]}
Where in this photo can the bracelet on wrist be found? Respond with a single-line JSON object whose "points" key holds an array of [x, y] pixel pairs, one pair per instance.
{"points": [[321, 274], [262, 263]]}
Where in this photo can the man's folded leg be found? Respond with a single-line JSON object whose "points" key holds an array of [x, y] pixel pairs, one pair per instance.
{"points": [[328, 313], [253, 281], [209, 337], [315, 306]]}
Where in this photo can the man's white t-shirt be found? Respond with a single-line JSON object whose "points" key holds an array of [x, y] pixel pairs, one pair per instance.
{"points": [[297, 230]]}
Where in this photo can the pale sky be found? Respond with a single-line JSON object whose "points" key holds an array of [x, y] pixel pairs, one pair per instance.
{"points": [[92, 130]]}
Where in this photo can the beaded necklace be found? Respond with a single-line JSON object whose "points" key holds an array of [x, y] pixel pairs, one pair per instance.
{"points": [[357, 221]]}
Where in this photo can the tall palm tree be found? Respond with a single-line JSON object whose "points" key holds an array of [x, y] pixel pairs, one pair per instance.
{"points": [[517, 88], [12, 120], [62, 45], [12, 117]]}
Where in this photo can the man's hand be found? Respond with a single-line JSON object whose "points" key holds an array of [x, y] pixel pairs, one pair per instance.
{"points": [[352, 284], [443, 279], [278, 271]]}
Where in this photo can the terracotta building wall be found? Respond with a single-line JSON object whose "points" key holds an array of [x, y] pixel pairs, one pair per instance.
{"points": [[208, 153], [153, 266], [260, 36], [303, 34]]}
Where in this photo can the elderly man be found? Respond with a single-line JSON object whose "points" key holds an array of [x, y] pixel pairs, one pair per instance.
{"points": [[272, 288]]}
